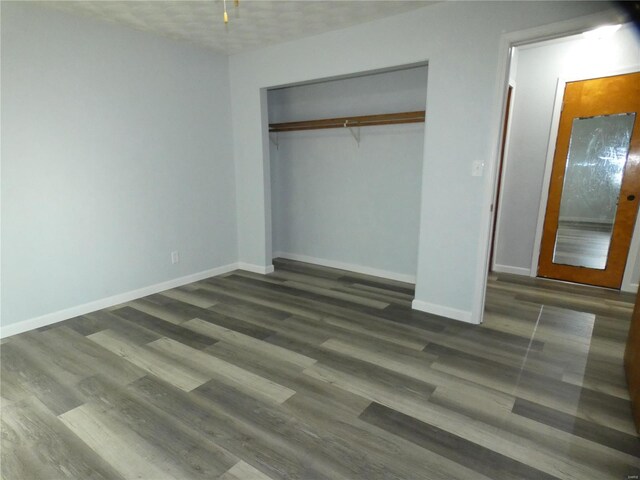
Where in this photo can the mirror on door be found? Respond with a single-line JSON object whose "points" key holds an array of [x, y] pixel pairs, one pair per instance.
{"points": [[598, 149]]}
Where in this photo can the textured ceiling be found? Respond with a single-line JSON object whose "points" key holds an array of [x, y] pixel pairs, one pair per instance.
{"points": [[252, 24]]}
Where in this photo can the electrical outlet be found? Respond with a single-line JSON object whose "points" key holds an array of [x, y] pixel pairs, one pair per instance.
{"points": [[175, 257]]}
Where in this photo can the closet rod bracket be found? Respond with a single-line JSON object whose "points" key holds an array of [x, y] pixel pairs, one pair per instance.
{"points": [[273, 137], [355, 132]]}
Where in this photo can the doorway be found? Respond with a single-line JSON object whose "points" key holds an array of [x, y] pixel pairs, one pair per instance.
{"points": [[539, 72], [595, 182]]}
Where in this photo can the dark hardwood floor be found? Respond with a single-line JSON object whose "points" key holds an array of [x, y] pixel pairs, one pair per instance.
{"points": [[316, 373]]}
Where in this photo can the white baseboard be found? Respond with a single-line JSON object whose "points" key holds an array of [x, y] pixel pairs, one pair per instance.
{"points": [[59, 316], [443, 311], [513, 270], [626, 287], [250, 267], [400, 277]]}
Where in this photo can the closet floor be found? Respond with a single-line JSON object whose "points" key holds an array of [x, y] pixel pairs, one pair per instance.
{"points": [[317, 373]]}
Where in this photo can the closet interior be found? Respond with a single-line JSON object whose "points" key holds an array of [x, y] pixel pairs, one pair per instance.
{"points": [[346, 166]]}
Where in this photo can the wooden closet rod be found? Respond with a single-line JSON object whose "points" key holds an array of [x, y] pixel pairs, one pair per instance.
{"points": [[361, 121]]}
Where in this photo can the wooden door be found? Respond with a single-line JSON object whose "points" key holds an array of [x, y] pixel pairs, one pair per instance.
{"points": [[595, 182], [632, 362]]}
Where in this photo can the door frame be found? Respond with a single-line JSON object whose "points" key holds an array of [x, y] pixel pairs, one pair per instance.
{"points": [[507, 41], [501, 171], [626, 286]]}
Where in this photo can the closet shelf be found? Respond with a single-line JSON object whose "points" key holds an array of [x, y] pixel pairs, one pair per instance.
{"points": [[344, 122]]}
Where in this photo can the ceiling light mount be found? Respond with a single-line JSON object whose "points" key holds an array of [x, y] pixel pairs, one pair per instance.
{"points": [[225, 17]]}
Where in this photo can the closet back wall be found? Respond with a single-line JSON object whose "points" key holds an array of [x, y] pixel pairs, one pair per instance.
{"points": [[340, 204]]}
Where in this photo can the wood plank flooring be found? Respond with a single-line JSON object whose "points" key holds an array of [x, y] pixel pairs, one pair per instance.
{"points": [[316, 373]]}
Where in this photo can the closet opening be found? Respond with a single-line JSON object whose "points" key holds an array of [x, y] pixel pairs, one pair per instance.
{"points": [[346, 158]]}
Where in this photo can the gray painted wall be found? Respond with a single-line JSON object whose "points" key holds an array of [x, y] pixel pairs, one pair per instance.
{"points": [[538, 70], [461, 41], [384, 92], [335, 200], [116, 147], [116, 150]]}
